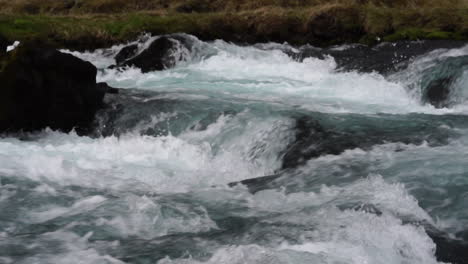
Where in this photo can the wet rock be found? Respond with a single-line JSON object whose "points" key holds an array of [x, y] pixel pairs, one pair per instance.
{"points": [[306, 52], [449, 249], [105, 88], [126, 53], [321, 134], [42, 87], [384, 58], [257, 184], [309, 135], [438, 83], [161, 54], [437, 92], [4, 43], [313, 140]]}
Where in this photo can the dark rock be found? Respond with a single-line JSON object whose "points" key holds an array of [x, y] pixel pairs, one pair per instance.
{"points": [[4, 43], [306, 52], [388, 57], [328, 135], [257, 184], [313, 140], [160, 55], [437, 92], [42, 87], [105, 88], [384, 58], [438, 82], [126, 53], [449, 249]]}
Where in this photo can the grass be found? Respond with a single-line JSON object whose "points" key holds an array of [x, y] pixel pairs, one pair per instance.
{"points": [[189, 6], [85, 24]]}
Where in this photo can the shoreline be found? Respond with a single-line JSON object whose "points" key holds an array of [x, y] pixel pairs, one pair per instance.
{"points": [[321, 27]]}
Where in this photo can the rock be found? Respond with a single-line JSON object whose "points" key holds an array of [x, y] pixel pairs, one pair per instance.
{"points": [[449, 249], [306, 51], [384, 58], [160, 55], [322, 134], [438, 91], [439, 83], [314, 140], [4, 43], [42, 87], [255, 185], [126, 53], [105, 88]]}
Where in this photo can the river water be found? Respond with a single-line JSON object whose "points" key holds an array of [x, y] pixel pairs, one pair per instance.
{"points": [[360, 168]]}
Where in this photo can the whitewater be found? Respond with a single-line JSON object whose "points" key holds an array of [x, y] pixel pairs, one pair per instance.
{"points": [[244, 154]]}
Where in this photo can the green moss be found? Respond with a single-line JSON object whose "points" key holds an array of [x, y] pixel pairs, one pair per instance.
{"points": [[439, 35], [406, 34], [419, 34]]}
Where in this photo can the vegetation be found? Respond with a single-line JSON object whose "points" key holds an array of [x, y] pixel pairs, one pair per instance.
{"points": [[95, 23]]}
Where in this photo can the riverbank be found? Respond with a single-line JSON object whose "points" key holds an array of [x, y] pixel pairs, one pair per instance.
{"points": [[320, 24]]}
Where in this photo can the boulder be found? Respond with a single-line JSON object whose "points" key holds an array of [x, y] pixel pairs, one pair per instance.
{"points": [[4, 43], [105, 88], [439, 83], [450, 248], [126, 53], [438, 92], [42, 87], [160, 55]]}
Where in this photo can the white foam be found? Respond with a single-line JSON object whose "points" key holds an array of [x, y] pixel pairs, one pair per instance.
{"points": [[264, 72], [79, 207], [412, 78], [13, 46], [419, 167], [140, 179], [349, 237], [272, 76], [165, 163], [72, 249], [148, 219]]}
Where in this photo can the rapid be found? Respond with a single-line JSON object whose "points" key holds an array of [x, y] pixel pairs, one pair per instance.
{"points": [[249, 154]]}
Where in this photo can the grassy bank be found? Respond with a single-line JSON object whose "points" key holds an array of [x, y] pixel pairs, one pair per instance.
{"points": [[96, 23]]}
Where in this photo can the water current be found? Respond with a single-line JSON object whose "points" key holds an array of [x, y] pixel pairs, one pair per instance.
{"points": [[246, 154]]}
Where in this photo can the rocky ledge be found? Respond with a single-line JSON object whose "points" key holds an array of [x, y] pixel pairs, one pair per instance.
{"points": [[42, 87]]}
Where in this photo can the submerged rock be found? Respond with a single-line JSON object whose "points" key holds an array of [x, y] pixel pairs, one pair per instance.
{"points": [[163, 53], [438, 83], [438, 90], [42, 87]]}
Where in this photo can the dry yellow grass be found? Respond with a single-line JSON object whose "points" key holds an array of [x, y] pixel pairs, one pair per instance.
{"points": [[92, 23], [123, 6]]}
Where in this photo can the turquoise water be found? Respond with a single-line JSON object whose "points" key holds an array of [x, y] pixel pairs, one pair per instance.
{"points": [[152, 184]]}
